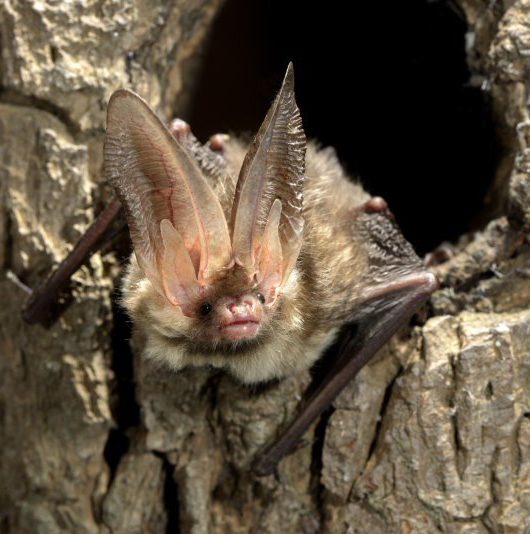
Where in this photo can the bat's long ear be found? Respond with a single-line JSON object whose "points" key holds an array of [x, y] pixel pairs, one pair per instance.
{"points": [[179, 233], [273, 169]]}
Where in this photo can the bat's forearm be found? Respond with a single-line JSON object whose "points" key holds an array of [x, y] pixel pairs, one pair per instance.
{"points": [[354, 353], [44, 295]]}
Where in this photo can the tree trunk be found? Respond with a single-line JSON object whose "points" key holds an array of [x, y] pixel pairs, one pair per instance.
{"points": [[432, 436]]}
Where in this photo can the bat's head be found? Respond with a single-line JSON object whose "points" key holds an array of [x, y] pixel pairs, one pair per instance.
{"points": [[218, 280]]}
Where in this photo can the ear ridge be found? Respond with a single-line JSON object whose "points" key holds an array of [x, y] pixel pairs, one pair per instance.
{"points": [[273, 169]]}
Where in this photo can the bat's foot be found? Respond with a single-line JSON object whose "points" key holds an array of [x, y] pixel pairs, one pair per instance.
{"points": [[180, 130], [218, 141]]}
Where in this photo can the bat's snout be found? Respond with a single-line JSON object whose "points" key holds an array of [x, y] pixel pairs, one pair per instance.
{"points": [[239, 317]]}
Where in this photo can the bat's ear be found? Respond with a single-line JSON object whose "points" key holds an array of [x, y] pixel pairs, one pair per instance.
{"points": [[179, 233], [273, 170]]}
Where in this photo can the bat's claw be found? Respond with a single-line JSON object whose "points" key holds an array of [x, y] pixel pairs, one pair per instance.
{"points": [[374, 205], [218, 141], [180, 130]]}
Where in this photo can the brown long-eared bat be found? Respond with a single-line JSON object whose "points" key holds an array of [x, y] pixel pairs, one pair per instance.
{"points": [[252, 259]]}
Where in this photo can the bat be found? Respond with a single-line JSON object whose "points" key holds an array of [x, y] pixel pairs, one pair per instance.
{"points": [[255, 259]]}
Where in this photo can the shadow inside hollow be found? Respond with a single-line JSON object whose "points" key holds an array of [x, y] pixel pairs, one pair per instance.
{"points": [[387, 87]]}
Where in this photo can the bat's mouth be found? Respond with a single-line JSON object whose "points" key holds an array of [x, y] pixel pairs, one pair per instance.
{"points": [[239, 330]]}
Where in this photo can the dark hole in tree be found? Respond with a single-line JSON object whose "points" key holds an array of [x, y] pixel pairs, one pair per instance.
{"points": [[125, 409], [171, 499], [386, 85]]}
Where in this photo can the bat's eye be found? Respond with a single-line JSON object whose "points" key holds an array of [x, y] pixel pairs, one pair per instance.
{"points": [[205, 309], [261, 298]]}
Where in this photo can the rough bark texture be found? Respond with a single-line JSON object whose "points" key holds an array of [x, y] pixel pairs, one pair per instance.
{"points": [[432, 436]]}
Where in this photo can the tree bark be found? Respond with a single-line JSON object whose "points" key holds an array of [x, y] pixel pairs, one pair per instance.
{"points": [[432, 436]]}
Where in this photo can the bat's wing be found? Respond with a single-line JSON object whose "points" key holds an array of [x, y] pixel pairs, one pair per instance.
{"points": [[397, 284]]}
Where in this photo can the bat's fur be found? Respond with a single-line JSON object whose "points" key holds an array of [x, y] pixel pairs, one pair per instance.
{"points": [[318, 298]]}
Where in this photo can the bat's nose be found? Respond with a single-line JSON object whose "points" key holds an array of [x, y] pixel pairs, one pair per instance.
{"points": [[239, 306], [239, 317]]}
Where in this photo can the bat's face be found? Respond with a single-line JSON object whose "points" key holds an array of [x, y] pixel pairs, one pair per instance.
{"points": [[227, 313], [231, 310], [230, 315]]}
